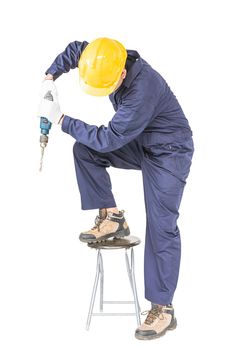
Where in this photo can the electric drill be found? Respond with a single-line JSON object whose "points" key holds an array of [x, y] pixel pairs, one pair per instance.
{"points": [[45, 126]]}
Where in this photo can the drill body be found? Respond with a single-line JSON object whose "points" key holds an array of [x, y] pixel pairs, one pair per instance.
{"points": [[45, 126]]}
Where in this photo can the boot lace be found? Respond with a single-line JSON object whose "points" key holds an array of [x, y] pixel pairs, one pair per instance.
{"points": [[98, 221], [154, 313]]}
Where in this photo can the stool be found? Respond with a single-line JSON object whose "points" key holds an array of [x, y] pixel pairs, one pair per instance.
{"points": [[126, 243]]}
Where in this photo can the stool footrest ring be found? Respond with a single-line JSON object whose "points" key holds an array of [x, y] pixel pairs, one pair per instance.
{"points": [[113, 314], [117, 302]]}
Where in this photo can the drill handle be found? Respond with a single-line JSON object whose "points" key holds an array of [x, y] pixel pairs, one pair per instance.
{"points": [[45, 124]]}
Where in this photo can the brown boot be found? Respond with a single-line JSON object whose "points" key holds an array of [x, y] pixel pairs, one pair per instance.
{"points": [[111, 225], [158, 321]]}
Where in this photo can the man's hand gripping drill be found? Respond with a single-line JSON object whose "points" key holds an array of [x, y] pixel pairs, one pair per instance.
{"points": [[49, 112]]}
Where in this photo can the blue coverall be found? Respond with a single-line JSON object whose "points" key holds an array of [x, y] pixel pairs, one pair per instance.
{"points": [[148, 132]]}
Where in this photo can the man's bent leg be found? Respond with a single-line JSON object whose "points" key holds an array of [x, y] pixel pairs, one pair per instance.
{"points": [[95, 188], [93, 179]]}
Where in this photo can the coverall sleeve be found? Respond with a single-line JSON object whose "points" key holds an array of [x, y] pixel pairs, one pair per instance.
{"points": [[67, 60], [132, 117]]}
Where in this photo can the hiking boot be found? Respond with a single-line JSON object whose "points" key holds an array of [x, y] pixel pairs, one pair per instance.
{"points": [[106, 226], [159, 319]]}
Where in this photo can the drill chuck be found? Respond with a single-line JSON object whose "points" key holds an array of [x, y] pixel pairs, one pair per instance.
{"points": [[43, 140]]}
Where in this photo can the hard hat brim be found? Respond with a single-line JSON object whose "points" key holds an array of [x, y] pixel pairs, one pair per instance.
{"points": [[94, 91]]}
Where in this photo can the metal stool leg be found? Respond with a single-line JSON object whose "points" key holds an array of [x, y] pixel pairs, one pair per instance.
{"points": [[130, 272], [94, 290], [101, 283], [131, 275], [137, 307], [128, 268]]}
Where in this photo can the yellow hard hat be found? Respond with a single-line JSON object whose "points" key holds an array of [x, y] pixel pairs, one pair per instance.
{"points": [[100, 66]]}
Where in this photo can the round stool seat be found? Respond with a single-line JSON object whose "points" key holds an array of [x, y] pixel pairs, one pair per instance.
{"points": [[116, 243]]}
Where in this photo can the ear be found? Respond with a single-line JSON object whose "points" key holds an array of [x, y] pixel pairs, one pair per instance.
{"points": [[123, 74]]}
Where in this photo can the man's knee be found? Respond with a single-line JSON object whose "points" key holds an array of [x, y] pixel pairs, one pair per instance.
{"points": [[167, 226]]}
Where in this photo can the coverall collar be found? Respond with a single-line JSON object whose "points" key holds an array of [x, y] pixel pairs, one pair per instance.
{"points": [[134, 70]]}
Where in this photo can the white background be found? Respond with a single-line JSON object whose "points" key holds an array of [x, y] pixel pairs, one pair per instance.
{"points": [[46, 274]]}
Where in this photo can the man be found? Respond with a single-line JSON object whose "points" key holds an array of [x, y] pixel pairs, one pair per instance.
{"points": [[148, 132]]}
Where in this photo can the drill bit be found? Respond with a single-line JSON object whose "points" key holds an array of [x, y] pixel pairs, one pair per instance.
{"points": [[43, 144], [41, 158]]}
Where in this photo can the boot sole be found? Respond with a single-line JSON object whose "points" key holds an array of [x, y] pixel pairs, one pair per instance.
{"points": [[171, 327], [118, 234]]}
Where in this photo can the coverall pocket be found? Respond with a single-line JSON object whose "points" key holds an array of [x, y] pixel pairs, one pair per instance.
{"points": [[175, 157]]}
